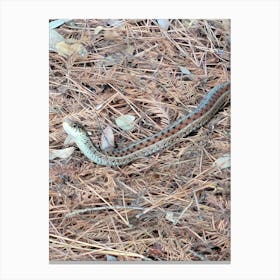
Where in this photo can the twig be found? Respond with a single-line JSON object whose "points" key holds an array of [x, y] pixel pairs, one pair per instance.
{"points": [[92, 209]]}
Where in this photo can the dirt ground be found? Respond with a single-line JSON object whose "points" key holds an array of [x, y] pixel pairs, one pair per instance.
{"points": [[171, 206]]}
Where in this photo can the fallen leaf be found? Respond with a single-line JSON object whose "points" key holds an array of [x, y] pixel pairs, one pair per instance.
{"points": [[56, 23], [97, 29], [54, 38], [125, 122], [107, 139], [223, 162], [111, 258], [69, 140], [185, 70], [111, 35], [63, 153], [115, 22], [163, 23], [67, 49]]}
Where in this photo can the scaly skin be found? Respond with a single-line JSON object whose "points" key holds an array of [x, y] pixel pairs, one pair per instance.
{"points": [[216, 98]]}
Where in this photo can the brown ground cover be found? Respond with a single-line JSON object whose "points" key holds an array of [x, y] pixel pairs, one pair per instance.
{"points": [[171, 206]]}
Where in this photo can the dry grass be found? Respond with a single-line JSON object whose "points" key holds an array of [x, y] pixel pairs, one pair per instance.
{"points": [[171, 206]]}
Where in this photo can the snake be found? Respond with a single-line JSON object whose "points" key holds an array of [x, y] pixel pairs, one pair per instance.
{"points": [[210, 104]]}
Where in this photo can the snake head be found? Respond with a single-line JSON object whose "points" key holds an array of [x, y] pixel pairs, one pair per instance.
{"points": [[74, 129]]}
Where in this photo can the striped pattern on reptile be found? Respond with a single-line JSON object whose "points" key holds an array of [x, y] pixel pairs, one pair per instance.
{"points": [[216, 98]]}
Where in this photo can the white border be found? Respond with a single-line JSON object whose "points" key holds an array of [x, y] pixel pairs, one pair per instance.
{"points": [[255, 138]]}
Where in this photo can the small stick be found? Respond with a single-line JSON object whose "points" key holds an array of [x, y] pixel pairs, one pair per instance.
{"points": [[92, 209]]}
